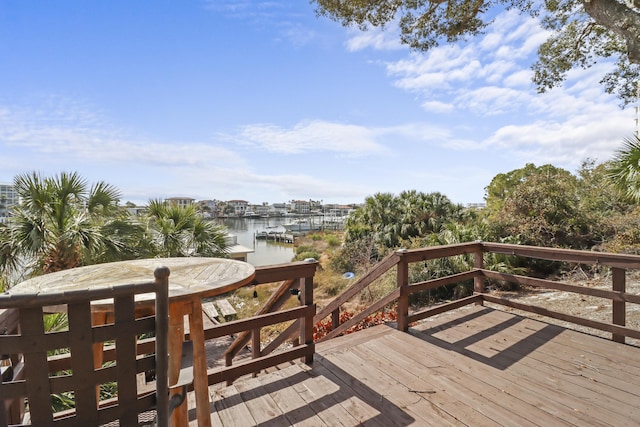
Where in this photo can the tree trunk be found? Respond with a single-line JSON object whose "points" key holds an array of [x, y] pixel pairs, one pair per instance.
{"points": [[619, 18]]}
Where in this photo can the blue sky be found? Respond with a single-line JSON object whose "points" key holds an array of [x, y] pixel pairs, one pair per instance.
{"points": [[265, 102]]}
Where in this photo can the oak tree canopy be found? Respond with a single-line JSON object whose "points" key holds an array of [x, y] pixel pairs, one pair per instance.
{"points": [[582, 31]]}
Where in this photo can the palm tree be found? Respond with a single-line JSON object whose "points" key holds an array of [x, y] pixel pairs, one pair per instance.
{"points": [[390, 221], [426, 213], [60, 223], [378, 218], [175, 231], [625, 168]]}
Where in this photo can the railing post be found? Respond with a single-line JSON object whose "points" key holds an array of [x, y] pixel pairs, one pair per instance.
{"points": [[161, 275], [619, 307], [306, 324], [255, 346], [478, 282], [403, 284], [335, 318]]}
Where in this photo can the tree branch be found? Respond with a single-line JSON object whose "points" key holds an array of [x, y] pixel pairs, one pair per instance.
{"points": [[619, 18]]}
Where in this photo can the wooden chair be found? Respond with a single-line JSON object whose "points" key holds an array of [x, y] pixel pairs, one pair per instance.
{"points": [[39, 373]]}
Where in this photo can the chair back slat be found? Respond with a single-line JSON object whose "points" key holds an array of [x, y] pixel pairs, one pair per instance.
{"points": [[126, 360], [36, 366], [82, 362]]}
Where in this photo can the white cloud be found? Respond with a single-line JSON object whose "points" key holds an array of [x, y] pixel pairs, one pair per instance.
{"points": [[476, 69], [298, 35], [566, 142], [265, 16], [520, 78], [312, 136], [512, 36], [490, 76], [374, 38], [491, 100], [438, 106], [69, 137], [62, 129]]}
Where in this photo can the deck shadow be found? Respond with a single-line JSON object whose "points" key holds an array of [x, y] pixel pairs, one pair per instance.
{"points": [[503, 358], [346, 391]]}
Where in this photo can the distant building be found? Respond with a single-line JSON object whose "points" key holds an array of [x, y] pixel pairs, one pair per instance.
{"points": [[476, 206], [278, 209], [239, 206], [261, 210], [183, 202], [208, 207], [333, 209], [8, 199], [137, 210], [302, 207]]}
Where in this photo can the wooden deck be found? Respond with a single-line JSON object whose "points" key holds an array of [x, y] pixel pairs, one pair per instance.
{"points": [[474, 366]]}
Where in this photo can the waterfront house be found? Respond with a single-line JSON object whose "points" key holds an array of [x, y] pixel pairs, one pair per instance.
{"points": [[180, 201]]}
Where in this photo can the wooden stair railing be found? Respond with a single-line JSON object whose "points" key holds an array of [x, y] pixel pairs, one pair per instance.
{"points": [[275, 302], [298, 276]]}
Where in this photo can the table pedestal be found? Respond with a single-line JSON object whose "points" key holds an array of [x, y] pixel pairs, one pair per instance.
{"points": [[177, 311]]}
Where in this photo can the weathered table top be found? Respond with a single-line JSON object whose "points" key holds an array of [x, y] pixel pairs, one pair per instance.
{"points": [[189, 277]]}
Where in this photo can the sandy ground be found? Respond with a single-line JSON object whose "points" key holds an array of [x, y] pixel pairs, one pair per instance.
{"points": [[579, 305]]}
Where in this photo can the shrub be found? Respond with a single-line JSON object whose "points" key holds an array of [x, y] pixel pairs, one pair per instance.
{"points": [[333, 240], [301, 256]]}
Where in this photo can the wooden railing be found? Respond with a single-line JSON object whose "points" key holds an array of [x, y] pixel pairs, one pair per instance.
{"points": [[299, 277], [402, 259], [618, 263]]}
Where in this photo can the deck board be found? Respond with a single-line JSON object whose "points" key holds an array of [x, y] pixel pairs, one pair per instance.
{"points": [[261, 405], [488, 402], [554, 371], [476, 366], [318, 393], [539, 398], [420, 394], [294, 409]]}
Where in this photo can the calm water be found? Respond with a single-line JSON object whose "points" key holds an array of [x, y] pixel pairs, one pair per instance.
{"points": [[266, 253]]}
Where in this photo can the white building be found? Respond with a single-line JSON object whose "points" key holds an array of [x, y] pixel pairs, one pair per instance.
{"points": [[239, 206], [183, 202], [302, 207], [8, 198]]}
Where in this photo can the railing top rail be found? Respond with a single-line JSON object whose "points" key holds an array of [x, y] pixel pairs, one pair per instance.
{"points": [[280, 272], [567, 255], [434, 252]]}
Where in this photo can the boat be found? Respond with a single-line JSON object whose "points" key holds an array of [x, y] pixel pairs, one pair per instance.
{"points": [[269, 232], [301, 225], [251, 214]]}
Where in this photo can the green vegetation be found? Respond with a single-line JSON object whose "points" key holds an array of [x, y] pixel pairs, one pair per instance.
{"points": [[175, 231], [625, 169], [63, 222], [534, 205]]}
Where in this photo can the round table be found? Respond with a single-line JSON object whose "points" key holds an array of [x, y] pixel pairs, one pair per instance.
{"points": [[202, 277], [190, 280]]}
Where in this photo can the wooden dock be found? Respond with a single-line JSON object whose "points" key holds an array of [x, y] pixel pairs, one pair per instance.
{"points": [[474, 366], [275, 236]]}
